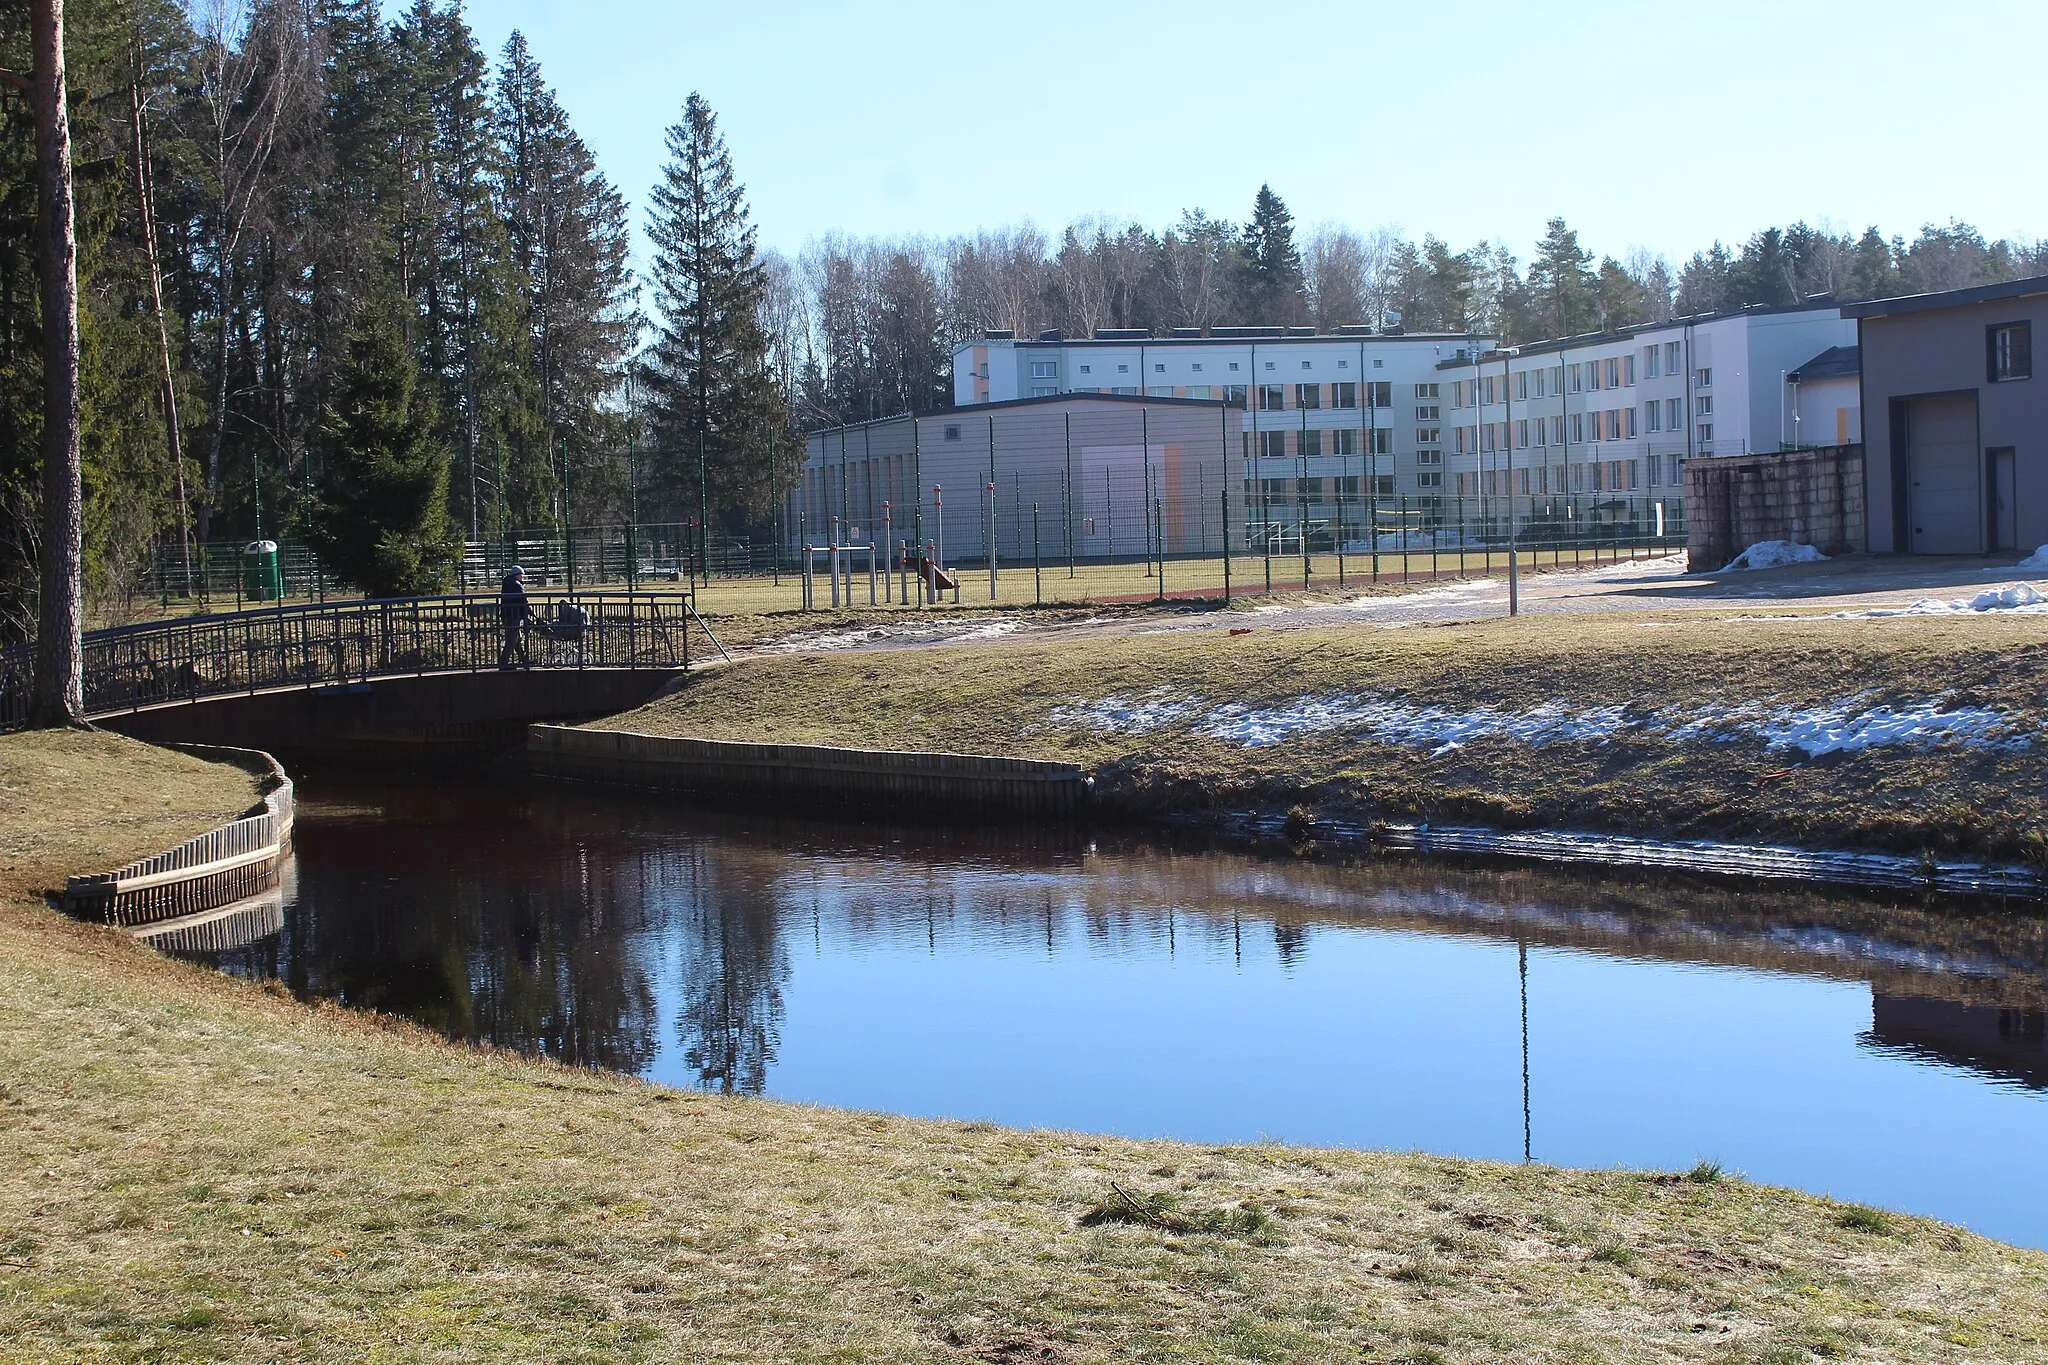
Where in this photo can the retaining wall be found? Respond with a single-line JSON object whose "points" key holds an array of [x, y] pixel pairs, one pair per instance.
{"points": [[238, 860], [909, 784], [1809, 497]]}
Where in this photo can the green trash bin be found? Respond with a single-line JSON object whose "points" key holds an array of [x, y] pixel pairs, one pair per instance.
{"points": [[261, 580]]}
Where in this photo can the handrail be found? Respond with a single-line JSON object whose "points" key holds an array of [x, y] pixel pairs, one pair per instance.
{"points": [[342, 643]]}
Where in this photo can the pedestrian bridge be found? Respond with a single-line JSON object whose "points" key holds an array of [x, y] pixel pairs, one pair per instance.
{"points": [[385, 678]]}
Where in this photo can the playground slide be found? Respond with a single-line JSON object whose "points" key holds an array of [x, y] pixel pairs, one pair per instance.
{"points": [[939, 579]]}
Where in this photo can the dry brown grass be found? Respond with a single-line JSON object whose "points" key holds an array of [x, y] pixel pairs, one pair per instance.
{"points": [[1001, 698], [199, 1169]]}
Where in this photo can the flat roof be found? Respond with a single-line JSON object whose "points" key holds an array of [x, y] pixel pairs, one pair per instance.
{"points": [[1312, 338], [1948, 298], [1046, 400], [1558, 344]]}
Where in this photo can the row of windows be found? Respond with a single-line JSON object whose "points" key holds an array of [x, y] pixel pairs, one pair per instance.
{"points": [[1590, 376], [1348, 441], [1050, 369], [1592, 476]]}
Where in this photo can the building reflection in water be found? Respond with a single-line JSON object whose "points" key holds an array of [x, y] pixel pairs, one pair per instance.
{"points": [[2003, 1042]]}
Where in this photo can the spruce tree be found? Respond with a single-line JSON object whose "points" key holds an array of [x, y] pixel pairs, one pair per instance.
{"points": [[707, 372], [1271, 281], [384, 523]]}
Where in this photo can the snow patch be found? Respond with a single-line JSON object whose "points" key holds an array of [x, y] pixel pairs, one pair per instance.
{"points": [[1773, 554], [2036, 560], [1850, 725], [2023, 598]]}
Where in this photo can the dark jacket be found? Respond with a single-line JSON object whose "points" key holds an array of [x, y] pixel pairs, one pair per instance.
{"points": [[512, 604]]}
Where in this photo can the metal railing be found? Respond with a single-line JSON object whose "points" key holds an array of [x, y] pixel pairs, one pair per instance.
{"points": [[333, 643]]}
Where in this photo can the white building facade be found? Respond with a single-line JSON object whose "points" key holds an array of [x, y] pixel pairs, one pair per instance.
{"points": [[1614, 415]]}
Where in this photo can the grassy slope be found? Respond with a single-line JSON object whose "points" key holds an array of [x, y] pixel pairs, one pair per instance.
{"points": [[1000, 698], [198, 1169]]}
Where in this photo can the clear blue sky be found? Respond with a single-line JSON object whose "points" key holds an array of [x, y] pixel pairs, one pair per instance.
{"points": [[1652, 124]]}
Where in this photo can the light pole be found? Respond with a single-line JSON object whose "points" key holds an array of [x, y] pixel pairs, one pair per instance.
{"points": [[1507, 398]]}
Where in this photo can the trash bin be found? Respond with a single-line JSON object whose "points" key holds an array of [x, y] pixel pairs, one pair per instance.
{"points": [[261, 581]]}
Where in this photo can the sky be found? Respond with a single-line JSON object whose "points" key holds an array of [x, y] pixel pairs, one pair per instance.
{"points": [[1660, 126]]}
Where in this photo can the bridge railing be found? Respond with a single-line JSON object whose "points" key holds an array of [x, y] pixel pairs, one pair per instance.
{"points": [[331, 643]]}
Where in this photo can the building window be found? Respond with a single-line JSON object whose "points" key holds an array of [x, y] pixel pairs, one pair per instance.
{"points": [[1273, 444], [1631, 419], [1198, 367], [1275, 490], [1086, 369], [1123, 369], [1344, 441], [1343, 364], [1344, 395], [1572, 377], [1704, 404], [1311, 444], [1521, 385], [1429, 457], [1706, 434], [1649, 362], [1628, 370], [1383, 485], [1432, 480], [1557, 430], [1163, 391], [1429, 436], [1382, 441], [1045, 369], [1671, 467], [1308, 395], [1429, 412], [1305, 365], [1379, 364], [1269, 364], [1043, 390], [1578, 426], [1198, 391], [2011, 351], [1706, 379], [1521, 433], [1653, 417], [1381, 393], [1429, 391], [1674, 414], [1272, 398], [1457, 393], [952, 431], [1233, 366], [1674, 358], [1234, 393]]}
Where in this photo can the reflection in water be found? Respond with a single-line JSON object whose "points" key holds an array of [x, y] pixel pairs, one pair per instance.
{"points": [[1147, 987]]}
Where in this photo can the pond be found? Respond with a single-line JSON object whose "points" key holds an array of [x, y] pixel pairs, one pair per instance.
{"points": [[1886, 1052]]}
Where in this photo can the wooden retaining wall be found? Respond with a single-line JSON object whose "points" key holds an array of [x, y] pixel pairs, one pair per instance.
{"points": [[217, 931], [222, 866], [908, 784], [1809, 497]]}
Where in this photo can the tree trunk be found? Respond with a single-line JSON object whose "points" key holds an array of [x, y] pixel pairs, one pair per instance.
{"points": [[217, 429], [59, 696], [145, 199]]}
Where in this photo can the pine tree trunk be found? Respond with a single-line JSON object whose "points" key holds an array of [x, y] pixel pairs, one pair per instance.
{"points": [[59, 697], [146, 206]]}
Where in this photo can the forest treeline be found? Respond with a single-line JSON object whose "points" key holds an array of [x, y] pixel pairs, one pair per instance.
{"points": [[880, 316], [355, 281], [359, 282]]}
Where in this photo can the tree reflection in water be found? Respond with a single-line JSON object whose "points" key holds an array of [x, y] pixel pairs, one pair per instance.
{"points": [[734, 968]]}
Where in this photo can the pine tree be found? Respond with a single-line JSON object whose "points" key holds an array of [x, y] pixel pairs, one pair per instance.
{"points": [[713, 400], [1562, 280], [1271, 282], [384, 523]]}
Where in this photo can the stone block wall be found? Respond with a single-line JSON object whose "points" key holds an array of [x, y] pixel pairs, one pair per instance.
{"points": [[1811, 497]]}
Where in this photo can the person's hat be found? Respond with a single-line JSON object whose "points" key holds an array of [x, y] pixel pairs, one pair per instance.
{"points": [[516, 572]]}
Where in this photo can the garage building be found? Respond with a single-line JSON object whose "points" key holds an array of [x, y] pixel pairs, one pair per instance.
{"points": [[1955, 420]]}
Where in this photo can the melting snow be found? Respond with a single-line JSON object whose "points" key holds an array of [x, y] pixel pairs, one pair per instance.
{"points": [[2036, 560], [1773, 554], [2024, 598], [1851, 725]]}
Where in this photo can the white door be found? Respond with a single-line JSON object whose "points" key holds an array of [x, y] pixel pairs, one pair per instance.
{"points": [[2005, 505], [1945, 474]]}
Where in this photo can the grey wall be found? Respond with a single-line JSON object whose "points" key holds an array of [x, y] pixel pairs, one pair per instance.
{"points": [[1943, 351]]}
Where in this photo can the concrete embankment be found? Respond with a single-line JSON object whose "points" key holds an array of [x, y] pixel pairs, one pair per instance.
{"points": [[906, 783]]}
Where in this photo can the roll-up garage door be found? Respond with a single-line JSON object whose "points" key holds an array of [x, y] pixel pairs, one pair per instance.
{"points": [[1945, 474]]}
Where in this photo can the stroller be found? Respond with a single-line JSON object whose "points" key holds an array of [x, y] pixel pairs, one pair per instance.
{"points": [[562, 636]]}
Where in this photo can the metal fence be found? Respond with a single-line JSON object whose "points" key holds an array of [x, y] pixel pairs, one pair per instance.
{"points": [[331, 643]]}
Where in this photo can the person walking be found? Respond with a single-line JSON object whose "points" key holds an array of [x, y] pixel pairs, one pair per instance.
{"points": [[513, 613]]}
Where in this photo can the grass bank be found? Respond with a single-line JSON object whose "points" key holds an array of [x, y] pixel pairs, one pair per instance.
{"points": [[1582, 721], [199, 1169]]}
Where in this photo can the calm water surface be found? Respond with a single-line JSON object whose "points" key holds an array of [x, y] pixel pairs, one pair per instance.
{"points": [[1880, 1052]]}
